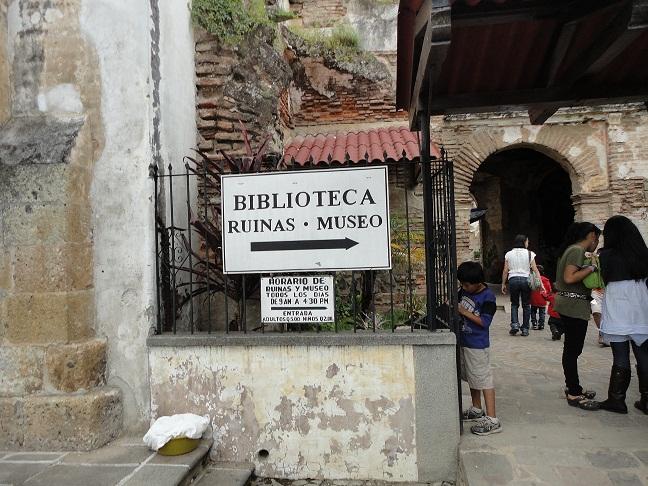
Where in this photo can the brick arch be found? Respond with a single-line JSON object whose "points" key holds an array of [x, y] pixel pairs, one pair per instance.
{"points": [[482, 145], [581, 149]]}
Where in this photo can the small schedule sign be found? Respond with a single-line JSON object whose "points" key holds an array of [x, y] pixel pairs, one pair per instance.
{"points": [[308, 299]]}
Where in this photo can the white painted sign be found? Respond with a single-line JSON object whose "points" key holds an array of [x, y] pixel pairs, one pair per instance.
{"points": [[316, 220], [297, 299]]}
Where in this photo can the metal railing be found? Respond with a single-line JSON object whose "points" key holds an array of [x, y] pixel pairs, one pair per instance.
{"points": [[194, 295]]}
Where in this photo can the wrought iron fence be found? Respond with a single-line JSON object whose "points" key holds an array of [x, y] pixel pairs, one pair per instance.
{"points": [[194, 295]]}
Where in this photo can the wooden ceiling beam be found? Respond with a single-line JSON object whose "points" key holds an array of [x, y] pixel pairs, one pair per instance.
{"points": [[620, 33], [537, 116], [536, 99], [563, 10], [422, 19], [637, 25], [433, 53]]}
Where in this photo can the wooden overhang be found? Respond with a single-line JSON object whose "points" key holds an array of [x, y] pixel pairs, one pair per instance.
{"points": [[471, 56]]}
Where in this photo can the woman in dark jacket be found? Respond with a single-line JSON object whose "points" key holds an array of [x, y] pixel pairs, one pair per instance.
{"points": [[624, 320]]}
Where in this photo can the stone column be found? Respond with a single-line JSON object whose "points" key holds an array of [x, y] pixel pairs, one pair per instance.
{"points": [[52, 378], [594, 207]]}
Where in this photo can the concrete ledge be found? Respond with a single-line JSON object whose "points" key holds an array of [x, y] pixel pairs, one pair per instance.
{"points": [[383, 338]]}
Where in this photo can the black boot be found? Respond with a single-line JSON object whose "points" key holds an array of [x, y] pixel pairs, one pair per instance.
{"points": [[619, 382], [642, 404]]}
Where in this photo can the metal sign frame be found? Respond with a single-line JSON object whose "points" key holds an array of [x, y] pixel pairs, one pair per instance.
{"points": [[344, 243]]}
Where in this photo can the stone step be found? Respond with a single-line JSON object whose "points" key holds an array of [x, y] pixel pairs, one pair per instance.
{"points": [[230, 474], [180, 470], [61, 421]]}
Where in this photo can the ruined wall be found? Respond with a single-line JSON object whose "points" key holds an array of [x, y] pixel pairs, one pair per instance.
{"points": [[52, 392], [577, 141], [326, 89], [320, 13], [77, 261], [374, 21], [370, 410], [628, 166], [244, 83]]}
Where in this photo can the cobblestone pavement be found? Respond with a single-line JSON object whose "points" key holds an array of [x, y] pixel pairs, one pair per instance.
{"points": [[545, 441]]}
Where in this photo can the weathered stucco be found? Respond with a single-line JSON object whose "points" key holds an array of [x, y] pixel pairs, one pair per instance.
{"points": [[5, 86], [375, 23], [319, 411], [53, 369], [147, 102]]}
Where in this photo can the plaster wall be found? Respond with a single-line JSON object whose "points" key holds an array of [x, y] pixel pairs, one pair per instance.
{"points": [[121, 195], [358, 411], [177, 93], [5, 86], [148, 114], [375, 23]]}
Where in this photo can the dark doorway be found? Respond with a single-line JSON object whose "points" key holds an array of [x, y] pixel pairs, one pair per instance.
{"points": [[525, 192]]}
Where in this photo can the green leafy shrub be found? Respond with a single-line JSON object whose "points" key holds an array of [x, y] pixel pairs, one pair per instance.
{"points": [[229, 20]]}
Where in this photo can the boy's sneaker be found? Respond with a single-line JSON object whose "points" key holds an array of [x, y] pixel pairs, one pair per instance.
{"points": [[487, 426], [472, 414], [514, 331], [535, 327]]}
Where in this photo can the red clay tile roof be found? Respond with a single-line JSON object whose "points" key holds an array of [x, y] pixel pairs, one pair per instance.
{"points": [[377, 146]]}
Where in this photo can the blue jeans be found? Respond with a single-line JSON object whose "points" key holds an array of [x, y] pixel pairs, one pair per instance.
{"points": [[519, 289], [538, 316]]}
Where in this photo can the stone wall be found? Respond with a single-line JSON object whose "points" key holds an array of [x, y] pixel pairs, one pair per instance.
{"points": [[77, 261], [320, 13], [148, 113], [245, 83], [378, 406], [604, 150], [52, 388]]}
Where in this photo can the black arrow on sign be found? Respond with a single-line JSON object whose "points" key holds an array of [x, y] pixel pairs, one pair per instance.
{"points": [[337, 244]]}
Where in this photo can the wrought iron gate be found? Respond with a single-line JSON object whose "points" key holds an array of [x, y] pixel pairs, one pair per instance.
{"points": [[418, 294], [442, 269]]}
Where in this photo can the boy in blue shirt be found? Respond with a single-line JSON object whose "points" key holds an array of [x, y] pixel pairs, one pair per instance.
{"points": [[477, 307]]}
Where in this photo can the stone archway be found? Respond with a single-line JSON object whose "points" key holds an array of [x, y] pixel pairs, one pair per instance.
{"points": [[524, 192], [580, 149]]}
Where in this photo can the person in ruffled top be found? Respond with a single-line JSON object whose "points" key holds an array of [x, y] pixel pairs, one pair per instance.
{"points": [[624, 322]]}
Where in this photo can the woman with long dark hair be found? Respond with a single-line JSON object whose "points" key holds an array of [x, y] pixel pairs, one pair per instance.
{"points": [[573, 305], [518, 265], [624, 320]]}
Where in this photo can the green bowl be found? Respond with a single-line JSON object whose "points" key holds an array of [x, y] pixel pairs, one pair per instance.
{"points": [[179, 446]]}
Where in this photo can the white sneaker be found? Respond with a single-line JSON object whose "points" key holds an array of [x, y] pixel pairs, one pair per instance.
{"points": [[472, 414], [487, 426]]}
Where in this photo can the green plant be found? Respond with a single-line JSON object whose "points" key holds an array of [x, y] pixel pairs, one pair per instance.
{"points": [[229, 20], [281, 15], [344, 305], [207, 264], [342, 42], [344, 36]]}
